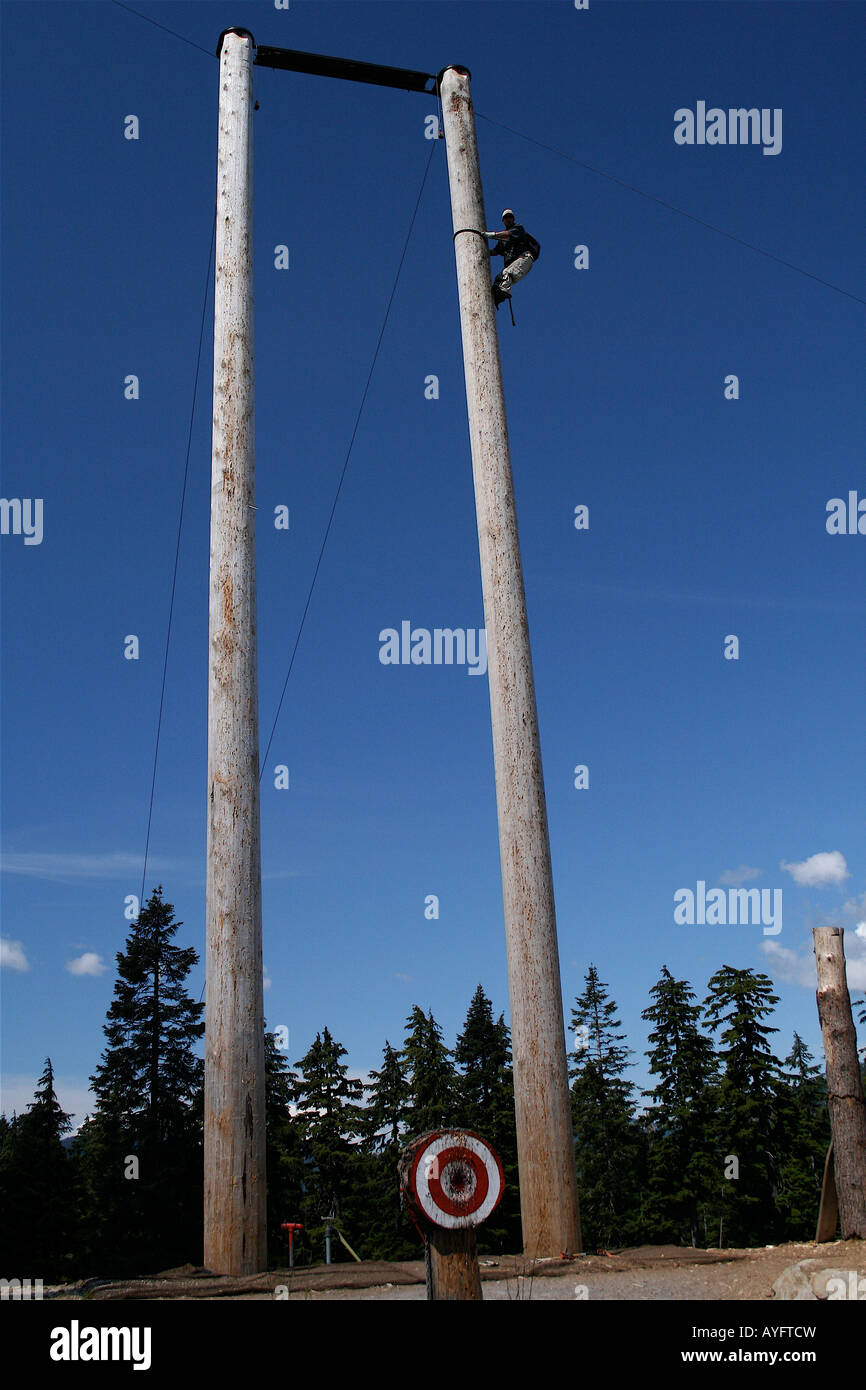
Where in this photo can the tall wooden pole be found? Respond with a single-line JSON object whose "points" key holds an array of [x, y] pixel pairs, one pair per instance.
{"points": [[548, 1186], [846, 1102], [234, 1091]]}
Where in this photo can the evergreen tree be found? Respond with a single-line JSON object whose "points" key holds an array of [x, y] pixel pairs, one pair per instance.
{"points": [[679, 1162], [486, 1104], [805, 1127], [747, 1134], [37, 1190], [284, 1156], [483, 1053], [388, 1095], [594, 1021], [329, 1118], [142, 1148], [609, 1145], [389, 1234], [433, 1097]]}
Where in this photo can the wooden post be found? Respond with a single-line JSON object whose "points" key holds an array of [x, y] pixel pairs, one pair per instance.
{"points": [[545, 1138], [846, 1101], [451, 1181], [234, 1085], [454, 1275]]}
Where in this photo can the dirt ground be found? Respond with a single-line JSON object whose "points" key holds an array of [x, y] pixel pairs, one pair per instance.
{"points": [[648, 1273]]}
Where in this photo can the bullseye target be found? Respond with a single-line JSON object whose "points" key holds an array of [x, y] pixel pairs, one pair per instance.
{"points": [[456, 1178]]}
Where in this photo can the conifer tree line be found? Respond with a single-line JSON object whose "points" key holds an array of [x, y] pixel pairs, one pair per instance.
{"points": [[727, 1146]]}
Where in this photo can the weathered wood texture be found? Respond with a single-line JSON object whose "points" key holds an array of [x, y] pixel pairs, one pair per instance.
{"points": [[454, 1272], [847, 1105], [548, 1184], [828, 1211], [234, 1094]]}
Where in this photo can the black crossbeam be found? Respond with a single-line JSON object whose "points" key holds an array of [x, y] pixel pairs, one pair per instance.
{"points": [[320, 65]]}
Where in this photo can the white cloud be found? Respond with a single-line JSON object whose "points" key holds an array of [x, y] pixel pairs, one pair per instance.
{"points": [[743, 874], [787, 965], [88, 964], [826, 867], [801, 970], [266, 978], [65, 868], [12, 955], [855, 958], [857, 975], [399, 976]]}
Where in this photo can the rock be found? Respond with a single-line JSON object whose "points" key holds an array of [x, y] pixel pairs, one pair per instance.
{"points": [[821, 1278], [809, 1280], [794, 1283]]}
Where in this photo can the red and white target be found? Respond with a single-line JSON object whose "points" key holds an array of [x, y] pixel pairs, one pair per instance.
{"points": [[456, 1178]]}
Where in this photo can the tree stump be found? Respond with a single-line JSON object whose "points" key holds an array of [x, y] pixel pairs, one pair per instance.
{"points": [[846, 1101]]}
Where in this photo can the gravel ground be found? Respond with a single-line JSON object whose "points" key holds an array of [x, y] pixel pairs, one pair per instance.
{"points": [[648, 1273]]}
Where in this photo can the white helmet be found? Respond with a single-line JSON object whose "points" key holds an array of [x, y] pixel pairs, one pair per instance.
{"points": [[508, 212]]}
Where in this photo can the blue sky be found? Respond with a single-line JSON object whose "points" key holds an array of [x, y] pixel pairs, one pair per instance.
{"points": [[707, 515]]}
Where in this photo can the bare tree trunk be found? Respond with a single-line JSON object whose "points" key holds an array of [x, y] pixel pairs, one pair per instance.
{"points": [[847, 1104]]}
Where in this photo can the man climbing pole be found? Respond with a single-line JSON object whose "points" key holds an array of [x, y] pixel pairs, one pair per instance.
{"points": [[520, 250]]}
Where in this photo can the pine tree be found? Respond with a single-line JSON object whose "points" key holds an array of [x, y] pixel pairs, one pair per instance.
{"points": [[329, 1116], [388, 1094], [284, 1156], [389, 1234], [433, 1098], [486, 1104], [805, 1130], [142, 1148], [37, 1190], [609, 1146], [679, 1164], [484, 1055], [747, 1133]]}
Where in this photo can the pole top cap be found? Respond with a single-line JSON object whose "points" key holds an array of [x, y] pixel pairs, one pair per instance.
{"points": [[452, 67], [234, 29]]}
